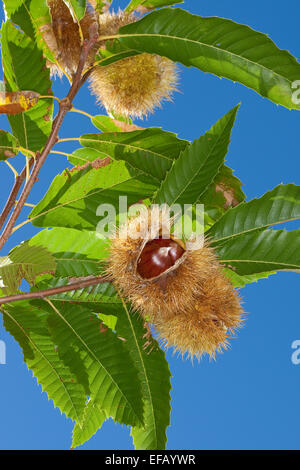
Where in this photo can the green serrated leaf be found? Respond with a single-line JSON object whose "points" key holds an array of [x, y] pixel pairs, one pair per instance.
{"points": [[153, 151], [26, 262], [28, 325], [96, 296], [241, 281], [282, 204], [93, 418], [72, 199], [8, 145], [149, 150], [99, 358], [25, 69], [154, 374], [270, 250], [33, 17], [198, 165], [219, 46], [77, 253]]}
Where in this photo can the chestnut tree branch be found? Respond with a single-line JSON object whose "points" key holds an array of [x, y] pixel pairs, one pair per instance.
{"points": [[76, 285], [64, 106], [14, 193]]}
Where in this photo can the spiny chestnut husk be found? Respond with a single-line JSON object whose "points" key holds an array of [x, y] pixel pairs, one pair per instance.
{"points": [[183, 292], [66, 34], [135, 86]]}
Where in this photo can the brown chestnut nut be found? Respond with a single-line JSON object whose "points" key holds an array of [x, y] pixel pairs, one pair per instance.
{"points": [[157, 256]]}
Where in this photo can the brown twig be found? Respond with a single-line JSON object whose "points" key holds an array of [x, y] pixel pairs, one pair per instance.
{"points": [[91, 281], [14, 193], [64, 106]]}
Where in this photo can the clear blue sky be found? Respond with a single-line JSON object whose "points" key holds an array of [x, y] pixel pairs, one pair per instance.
{"points": [[249, 397]]}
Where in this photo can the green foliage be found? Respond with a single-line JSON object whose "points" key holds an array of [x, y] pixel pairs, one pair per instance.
{"points": [[92, 420], [195, 169], [153, 151], [282, 204], [93, 356], [25, 69], [73, 198], [103, 293], [270, 250], [26, 262], [150, 150], [33, 17], [219, 46], [29, 326], [240, 281], [155, 377], [76, 253]]}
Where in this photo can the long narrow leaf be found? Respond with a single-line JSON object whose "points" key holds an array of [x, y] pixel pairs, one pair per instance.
{"points": [[93, 418], [28, 325], [197, 166], [150, 150], [72, 199], [270, 250], [76, 252], [25, 69], [155, 376], [219, 46], [99, 358], [282, 204]]}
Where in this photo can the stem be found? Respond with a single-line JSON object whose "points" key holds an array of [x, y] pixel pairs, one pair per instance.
{"points": [[75, 110], [82, 284], [12, 169], [68, 139], [16, 227], [50, 97], [26, 204], [64, 106], [27, 169]]}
